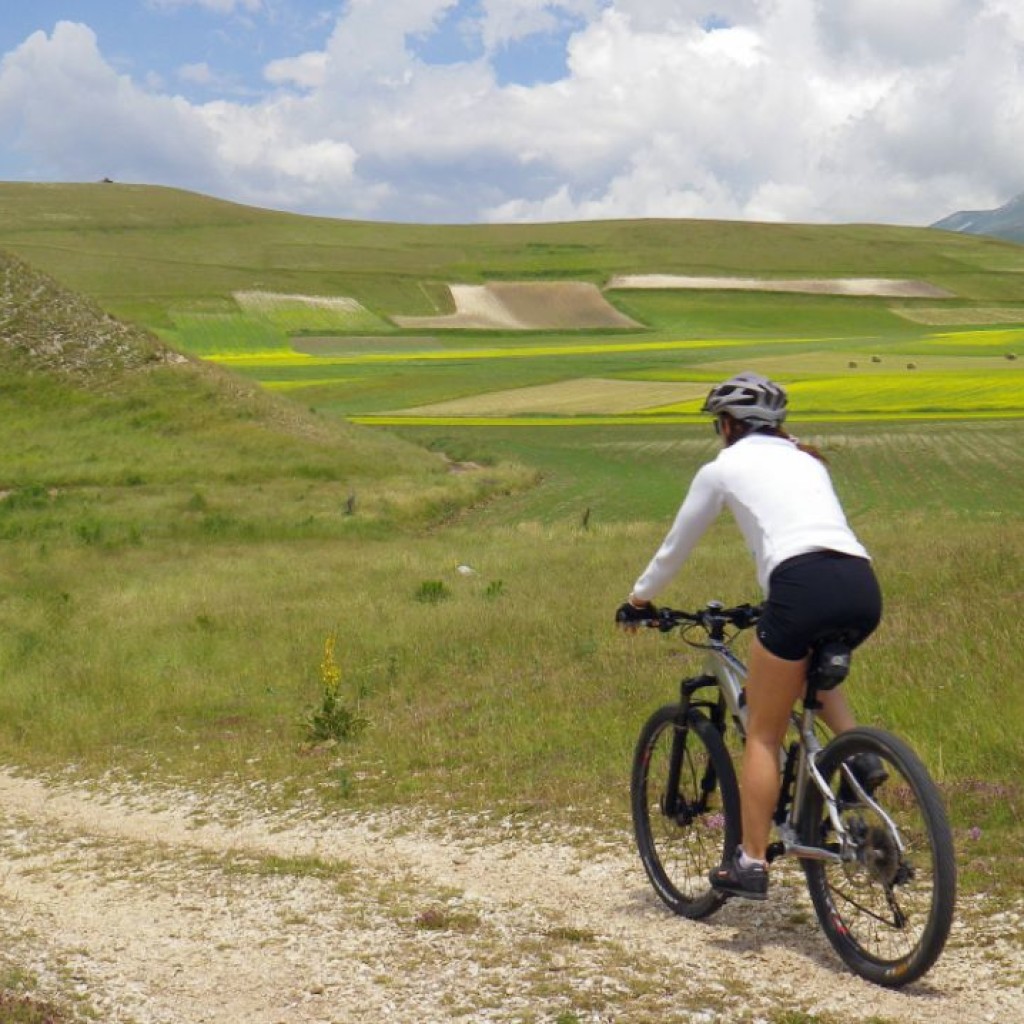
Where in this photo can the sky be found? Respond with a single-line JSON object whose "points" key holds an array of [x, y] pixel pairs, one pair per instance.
{"points": [[461, 111]]}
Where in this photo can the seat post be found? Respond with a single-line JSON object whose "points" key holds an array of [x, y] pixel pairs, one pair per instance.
{"points": [[811, 701]]}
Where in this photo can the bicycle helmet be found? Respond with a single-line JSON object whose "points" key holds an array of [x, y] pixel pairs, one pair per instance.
{"points": [[749, 397]]}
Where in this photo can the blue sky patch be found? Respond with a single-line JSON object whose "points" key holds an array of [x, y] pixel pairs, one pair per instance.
{"points": [[533, 60], [715, 23], [453, 41]]}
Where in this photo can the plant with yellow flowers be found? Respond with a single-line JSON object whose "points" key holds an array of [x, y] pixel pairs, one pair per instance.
{"points": [[334, 719]]}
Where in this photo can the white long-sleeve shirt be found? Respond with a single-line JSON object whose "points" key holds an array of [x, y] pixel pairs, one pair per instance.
{"points": [[783, 502]]}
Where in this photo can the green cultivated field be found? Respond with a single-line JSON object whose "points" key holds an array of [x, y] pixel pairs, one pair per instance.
{"points": [[179, 544]]}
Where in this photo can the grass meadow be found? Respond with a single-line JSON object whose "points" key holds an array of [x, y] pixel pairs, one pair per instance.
{"points": [[178, 550]]}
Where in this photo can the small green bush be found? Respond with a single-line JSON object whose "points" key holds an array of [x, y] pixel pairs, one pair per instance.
{"points": [[432, 592]]}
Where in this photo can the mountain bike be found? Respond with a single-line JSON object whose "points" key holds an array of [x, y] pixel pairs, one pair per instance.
{"points": [[878, 862]]}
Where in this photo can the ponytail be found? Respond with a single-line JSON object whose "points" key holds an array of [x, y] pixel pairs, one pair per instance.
{"points": [[809, 449]]}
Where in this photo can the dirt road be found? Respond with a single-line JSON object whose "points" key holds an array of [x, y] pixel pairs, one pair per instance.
{"points": [[179, 908]]}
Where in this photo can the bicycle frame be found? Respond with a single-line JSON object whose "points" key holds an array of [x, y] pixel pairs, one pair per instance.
{"points": [[724, 670]]}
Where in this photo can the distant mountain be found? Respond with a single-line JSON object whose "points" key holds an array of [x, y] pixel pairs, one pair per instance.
{"points": [[1006, 222]]}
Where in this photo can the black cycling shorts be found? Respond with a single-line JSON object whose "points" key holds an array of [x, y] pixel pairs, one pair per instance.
{"points": [[817, 593]]}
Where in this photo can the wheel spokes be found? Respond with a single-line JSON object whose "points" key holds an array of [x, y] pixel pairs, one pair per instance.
{"points": [[882, 895]]}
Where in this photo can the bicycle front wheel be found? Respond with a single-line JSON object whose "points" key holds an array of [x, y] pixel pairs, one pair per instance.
{"points": [[686, 807], [888, 908]]}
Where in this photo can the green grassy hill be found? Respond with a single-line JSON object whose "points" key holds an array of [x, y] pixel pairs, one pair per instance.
{"points": [[145, 252], [109, 434]]}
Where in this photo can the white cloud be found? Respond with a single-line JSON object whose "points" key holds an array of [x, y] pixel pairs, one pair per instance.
{"points": [[63, 104], [368, 46], [78, 118], [904, 34], [307, 71], [761, 120], [198, 74], [671, 15], [765, 109], [217, 6], [506, 21]]}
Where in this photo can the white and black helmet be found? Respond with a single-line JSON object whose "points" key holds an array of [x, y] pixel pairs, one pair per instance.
{"points": [[756, 400]]}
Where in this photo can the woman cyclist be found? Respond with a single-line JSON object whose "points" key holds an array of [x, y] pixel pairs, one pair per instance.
{"points": [[816, 576]]}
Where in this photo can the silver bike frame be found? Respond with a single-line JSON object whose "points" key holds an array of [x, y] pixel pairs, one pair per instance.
{"points": [[726, 667]]}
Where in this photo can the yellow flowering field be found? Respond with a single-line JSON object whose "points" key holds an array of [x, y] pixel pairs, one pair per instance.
{"points": [[896, 395], [955, 374], [288, 357]]}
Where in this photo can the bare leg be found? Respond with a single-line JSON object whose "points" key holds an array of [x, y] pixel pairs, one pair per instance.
{"points": [[835, 711], [773, 686]]}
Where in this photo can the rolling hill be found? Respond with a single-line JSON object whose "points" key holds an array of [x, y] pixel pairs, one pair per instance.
{"points": [[102, 421], [148, 253]]}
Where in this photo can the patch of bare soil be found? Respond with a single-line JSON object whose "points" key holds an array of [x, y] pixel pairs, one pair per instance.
{"points": [[525, 306], [855, 286], [268, 301], [171, 907]]}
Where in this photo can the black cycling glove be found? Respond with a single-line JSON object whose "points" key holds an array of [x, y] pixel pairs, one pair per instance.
{"points": [[629, 615]]}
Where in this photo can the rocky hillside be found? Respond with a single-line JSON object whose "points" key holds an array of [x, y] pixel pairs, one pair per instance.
{"points": [[46, 328], [1005, 222]]}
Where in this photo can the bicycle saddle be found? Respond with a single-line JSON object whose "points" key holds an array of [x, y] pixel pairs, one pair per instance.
{"points": [[831, 655]]}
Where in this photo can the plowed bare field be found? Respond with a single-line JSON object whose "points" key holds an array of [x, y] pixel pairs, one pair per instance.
{"points": [[525, 306]]}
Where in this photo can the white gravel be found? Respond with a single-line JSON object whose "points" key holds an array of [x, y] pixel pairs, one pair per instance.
{"points": [[171, 907]]}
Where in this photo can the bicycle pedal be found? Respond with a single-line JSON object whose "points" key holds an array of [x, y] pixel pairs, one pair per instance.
{"points": [[774, 851]]}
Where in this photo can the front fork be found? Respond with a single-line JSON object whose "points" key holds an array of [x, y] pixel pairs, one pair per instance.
{"points": [[670, 799]]}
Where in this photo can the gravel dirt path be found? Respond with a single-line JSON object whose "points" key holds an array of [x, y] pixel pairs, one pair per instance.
{"points": [[172, 907]]}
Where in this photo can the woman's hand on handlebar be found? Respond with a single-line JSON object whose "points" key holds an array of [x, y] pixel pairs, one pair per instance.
{"points": [[630, 616], [712, 616]]}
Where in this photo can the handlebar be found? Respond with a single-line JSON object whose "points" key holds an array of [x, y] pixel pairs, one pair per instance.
{"points": [[712, 618]]}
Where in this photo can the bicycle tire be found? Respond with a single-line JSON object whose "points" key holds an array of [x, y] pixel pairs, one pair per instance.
{"points": [[680, 848], [888, 913]]}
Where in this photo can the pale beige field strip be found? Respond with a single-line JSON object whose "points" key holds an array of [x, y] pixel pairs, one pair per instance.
{"points": [[523, 306], [260, 301], [858, 286], [581, 396]]}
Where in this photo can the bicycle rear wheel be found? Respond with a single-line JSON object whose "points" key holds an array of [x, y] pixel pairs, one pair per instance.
{"points": [[888, 911], [686, 807]]}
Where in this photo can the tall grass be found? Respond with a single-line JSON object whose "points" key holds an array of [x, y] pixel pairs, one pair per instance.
{"points": [[951, 471], [205, 334], [203, 659]]}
